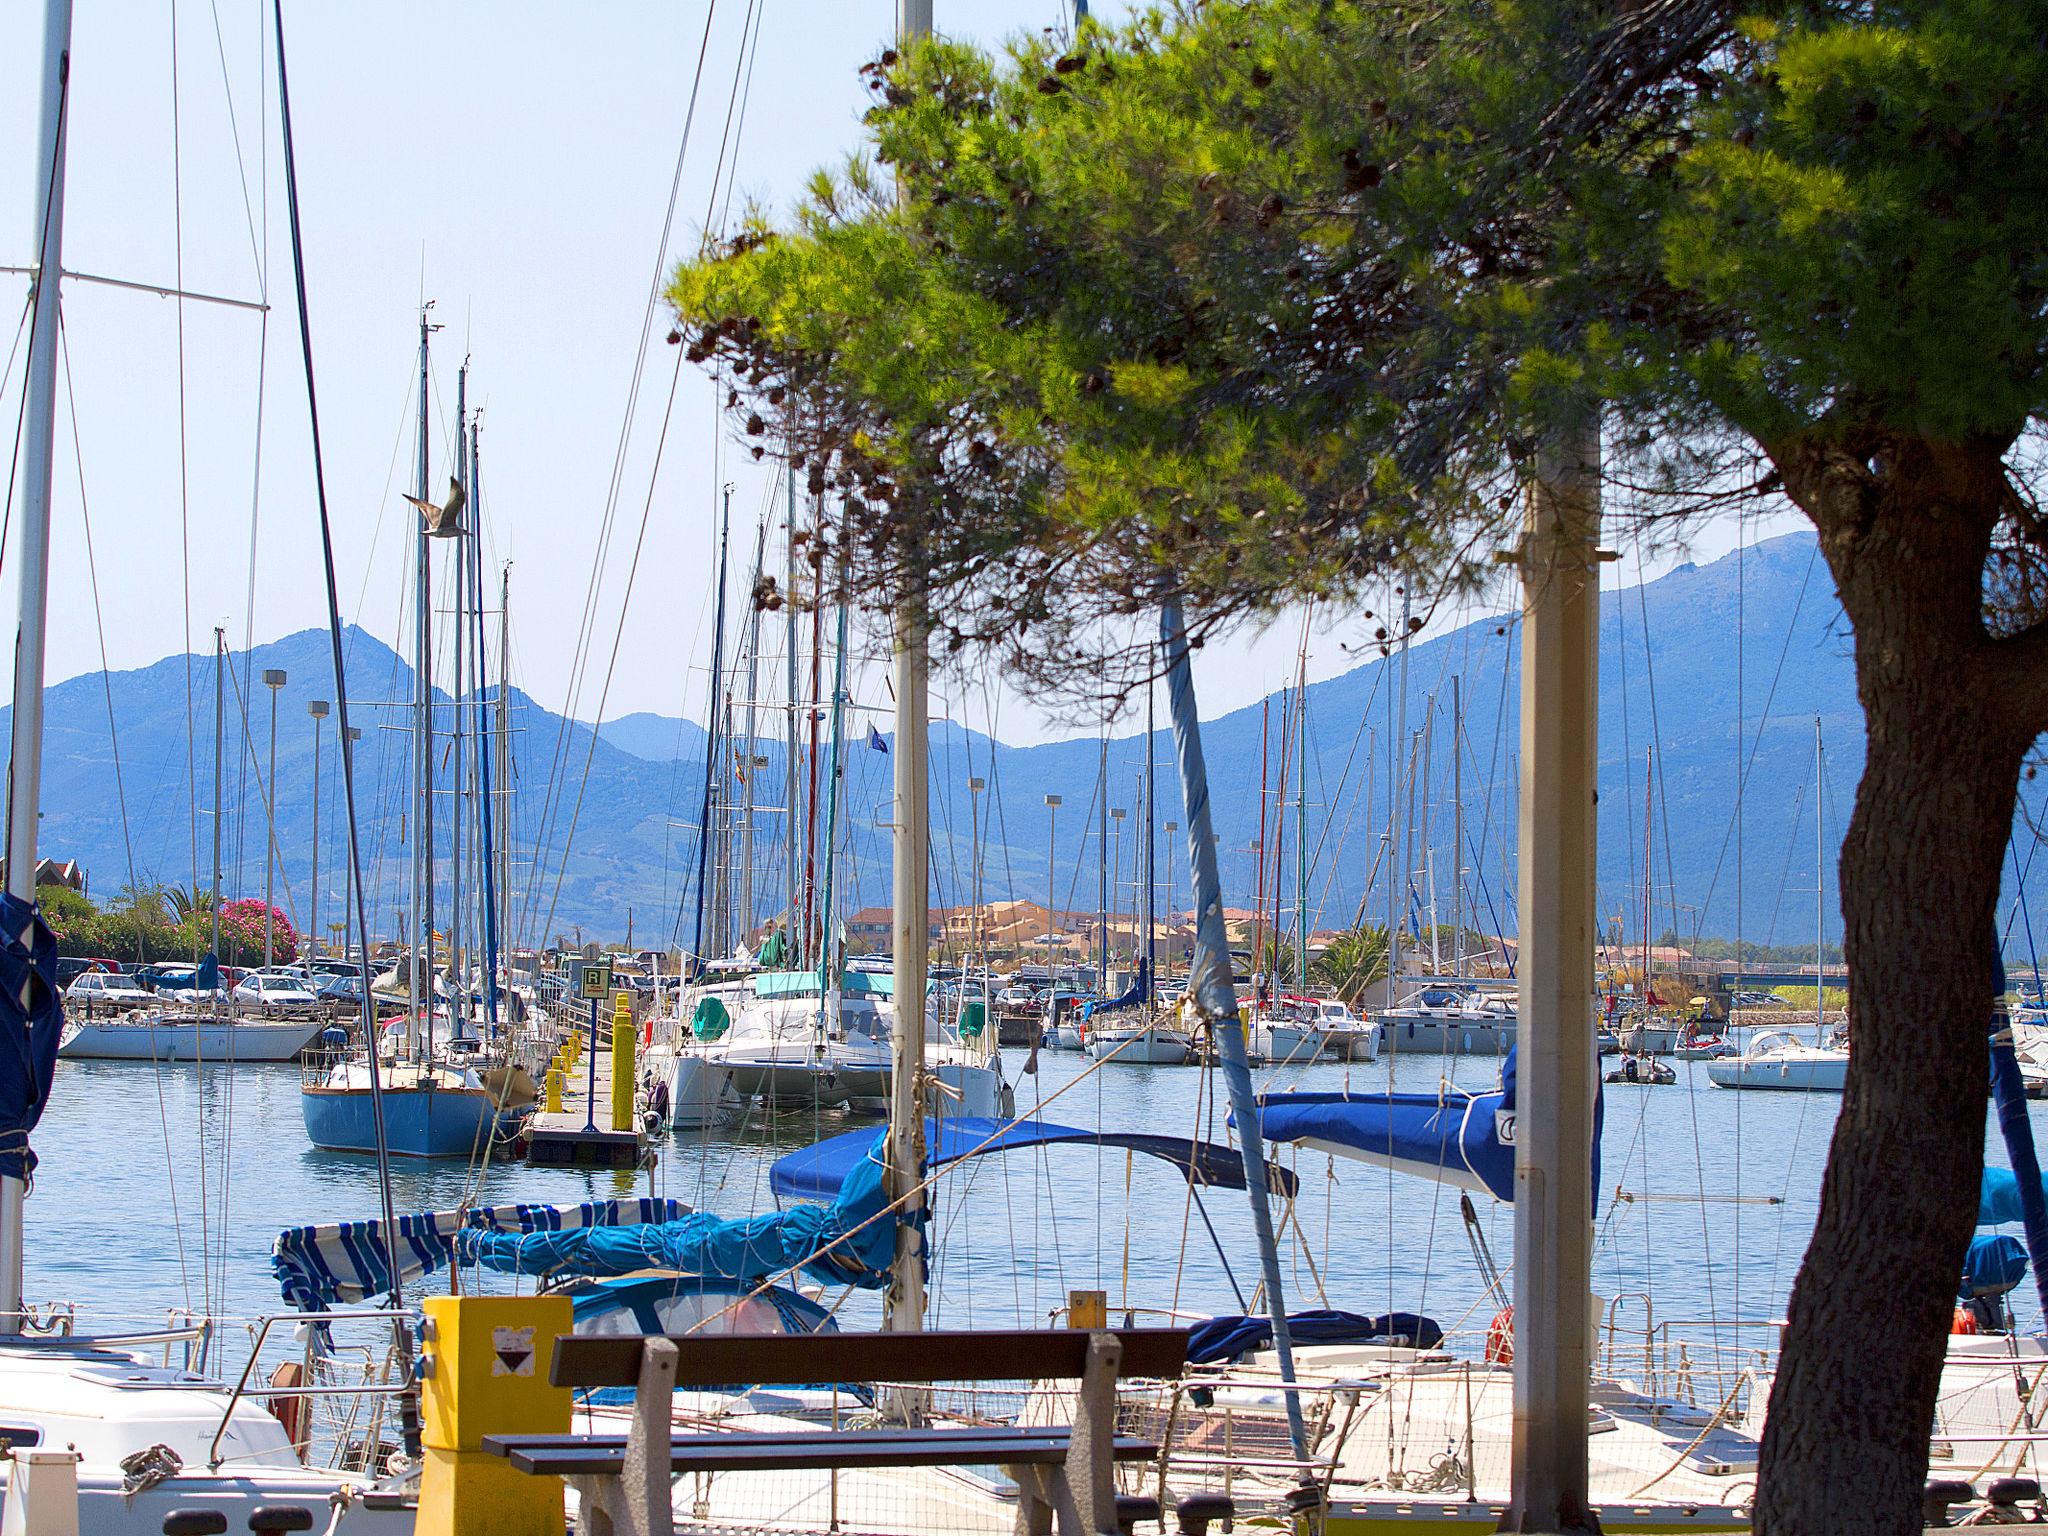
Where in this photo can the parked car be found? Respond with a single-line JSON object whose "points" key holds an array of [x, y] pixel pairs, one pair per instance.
{"points": [[273, 991], [345, 988], [110, 989], [71, 967]]}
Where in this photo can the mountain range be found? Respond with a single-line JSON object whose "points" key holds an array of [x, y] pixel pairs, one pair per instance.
{"points": [[1710, 676]]}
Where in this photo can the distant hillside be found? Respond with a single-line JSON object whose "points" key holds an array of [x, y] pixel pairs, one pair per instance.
{"points": [[1669, 671]]}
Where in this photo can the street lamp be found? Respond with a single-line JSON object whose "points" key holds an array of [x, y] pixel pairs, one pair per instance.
{"points": [[317, 708], [1052, 839], [273, 679]]}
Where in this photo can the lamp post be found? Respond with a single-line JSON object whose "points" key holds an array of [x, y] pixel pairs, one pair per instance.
{"points": [[1052, 842], [318, 710], [348, 891], [273, 679]]}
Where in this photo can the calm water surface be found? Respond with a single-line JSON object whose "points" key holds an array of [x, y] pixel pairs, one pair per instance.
{"points": [[161, 1188]]}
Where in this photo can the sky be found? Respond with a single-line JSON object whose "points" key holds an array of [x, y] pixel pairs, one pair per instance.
{"points": [[513, 164]]}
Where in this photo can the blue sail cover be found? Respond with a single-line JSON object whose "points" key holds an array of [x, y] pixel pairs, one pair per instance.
{"points": [[1453, 1137], [842, 1243], [1136, 995], [1219, 1339], [32, 1019], [343, 1261], [819, 1172]]}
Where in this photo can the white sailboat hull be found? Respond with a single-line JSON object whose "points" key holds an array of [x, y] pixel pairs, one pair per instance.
{"points": [[1154, 1046], [178, 1037], [1818, 1072]]}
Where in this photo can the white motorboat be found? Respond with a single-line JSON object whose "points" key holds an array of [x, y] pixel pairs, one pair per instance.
{"points": [[172, 1034], [1779, 1061]]}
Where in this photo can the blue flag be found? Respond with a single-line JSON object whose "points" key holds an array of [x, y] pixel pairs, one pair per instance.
{"points": [[875, 740]]}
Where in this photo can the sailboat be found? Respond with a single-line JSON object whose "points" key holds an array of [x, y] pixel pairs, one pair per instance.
{"points": [[454, 1102], [1780, 1060]]}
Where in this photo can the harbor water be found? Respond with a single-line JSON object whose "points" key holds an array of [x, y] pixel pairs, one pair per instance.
{"points": [[163, 1187]]}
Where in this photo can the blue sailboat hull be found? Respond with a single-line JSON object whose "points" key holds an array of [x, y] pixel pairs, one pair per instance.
{"points": [[429, 1120]]}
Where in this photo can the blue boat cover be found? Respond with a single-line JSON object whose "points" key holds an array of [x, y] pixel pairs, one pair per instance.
{"points": [[1136, 995], [343, 1261], [32, 1019], [1998, 1198], [1993, 1265], [1226, 1338], [1455, 1137], [819, 1172], [842, 1243]]}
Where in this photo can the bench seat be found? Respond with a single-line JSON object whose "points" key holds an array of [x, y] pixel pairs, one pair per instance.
{"points": [[802, 1450]]}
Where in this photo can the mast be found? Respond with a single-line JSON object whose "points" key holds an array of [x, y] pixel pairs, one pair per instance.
{"points": [[220, 651], [1102, 866], [1301, 818], [795, 870], [486, 805], [1397, 873], [458, 983], [747, 761], [1820, 896], [811, 760], [711, 724], [423, 738], [502, 807], [1457, 825], [1259, 858], [1151, 822]]}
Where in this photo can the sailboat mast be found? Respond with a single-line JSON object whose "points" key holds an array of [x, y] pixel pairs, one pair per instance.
{"points": [[502, 806], [1457, 824], [423, 732], [704, 831], [25, 753], [220, 653], [1259, 857], [1397, 834], [795, 864], [1151, 824], [458, 986], [749, 752], [1820, 896], [486, 805], [1301, 819]]}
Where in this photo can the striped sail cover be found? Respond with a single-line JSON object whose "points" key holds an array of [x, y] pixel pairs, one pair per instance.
{"points": [[316, 1267]]}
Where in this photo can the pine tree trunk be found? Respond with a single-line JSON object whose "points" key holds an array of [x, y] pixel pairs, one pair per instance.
{"points": [[1905, 529]]}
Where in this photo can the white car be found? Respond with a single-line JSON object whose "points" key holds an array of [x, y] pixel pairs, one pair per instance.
{"points": [[274, 992], [112, 989]]}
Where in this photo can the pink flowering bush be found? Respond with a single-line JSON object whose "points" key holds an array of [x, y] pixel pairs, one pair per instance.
{"points": [[241, 933]]}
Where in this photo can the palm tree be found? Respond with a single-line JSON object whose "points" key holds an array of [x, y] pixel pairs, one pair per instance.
{"points": [[1351, 962], [188, 902]]}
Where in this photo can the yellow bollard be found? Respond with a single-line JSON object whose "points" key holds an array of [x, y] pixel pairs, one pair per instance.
{"points": [[555, 1091], [622, 1062], [485, 1372]]}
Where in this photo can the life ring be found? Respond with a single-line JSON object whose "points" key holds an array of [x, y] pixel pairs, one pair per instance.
{"points": [[292, 1412], [1500, 1337]]}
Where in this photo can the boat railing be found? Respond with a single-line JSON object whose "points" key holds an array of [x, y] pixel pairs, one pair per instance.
{"points": [[324, 1369]]}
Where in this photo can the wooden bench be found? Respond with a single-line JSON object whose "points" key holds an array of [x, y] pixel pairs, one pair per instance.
{"points": [[1064, 1477]]}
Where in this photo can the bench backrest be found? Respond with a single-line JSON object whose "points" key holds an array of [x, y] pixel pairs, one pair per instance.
{"points": [[783, 1359]]}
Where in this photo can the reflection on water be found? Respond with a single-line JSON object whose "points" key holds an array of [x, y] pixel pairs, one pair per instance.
{"points": [[164, 1187]]}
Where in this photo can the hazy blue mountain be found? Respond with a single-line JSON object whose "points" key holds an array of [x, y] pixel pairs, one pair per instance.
{"points": [[1669, 675]]}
